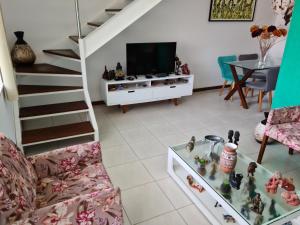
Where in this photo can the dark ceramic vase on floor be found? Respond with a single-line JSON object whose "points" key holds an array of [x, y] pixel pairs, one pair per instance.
{"points": [[21, 53]]}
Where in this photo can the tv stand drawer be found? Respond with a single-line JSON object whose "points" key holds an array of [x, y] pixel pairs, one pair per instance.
{"points": [[172, 91], [129, 96]]}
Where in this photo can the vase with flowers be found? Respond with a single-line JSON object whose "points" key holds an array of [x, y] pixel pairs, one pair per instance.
{"points": [[267, 36]]}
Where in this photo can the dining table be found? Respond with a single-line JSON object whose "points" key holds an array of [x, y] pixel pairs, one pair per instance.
{"points": [[250, 66]]}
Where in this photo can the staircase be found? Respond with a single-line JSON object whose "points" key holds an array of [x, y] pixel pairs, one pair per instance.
{"points": [[86, 45]]}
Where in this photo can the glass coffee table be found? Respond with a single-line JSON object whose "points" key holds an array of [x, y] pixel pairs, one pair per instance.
{"points": [[181, 163]]}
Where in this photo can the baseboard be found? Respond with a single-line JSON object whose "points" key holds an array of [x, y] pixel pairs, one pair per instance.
{"points": [[209, 88], [195, 90]]}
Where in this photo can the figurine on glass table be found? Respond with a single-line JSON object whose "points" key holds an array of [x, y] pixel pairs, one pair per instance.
{"points": [[272, 210], [251, 168], [190, 146]]}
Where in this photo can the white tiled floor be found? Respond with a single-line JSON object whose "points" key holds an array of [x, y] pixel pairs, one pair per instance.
{"points": [[135, 145]]}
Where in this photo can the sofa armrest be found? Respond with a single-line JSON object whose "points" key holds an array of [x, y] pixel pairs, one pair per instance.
{"points": [[66, 159], [96, 208], [284, 115]]}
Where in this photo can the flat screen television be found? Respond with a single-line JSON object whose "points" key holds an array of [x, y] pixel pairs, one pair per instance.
{"points": [[151, 58]]}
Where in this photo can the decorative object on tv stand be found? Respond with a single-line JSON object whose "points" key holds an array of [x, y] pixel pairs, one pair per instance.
{"points": [[267, 37], [178, 64], [119, 74], [185, 69], [111, 75], [260, 128], [190, 146], [22, 53], [242, 10], [105, 74]]}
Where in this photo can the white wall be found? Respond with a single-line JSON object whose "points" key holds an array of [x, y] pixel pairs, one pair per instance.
{"points": [[6, 118], [48, 23]]}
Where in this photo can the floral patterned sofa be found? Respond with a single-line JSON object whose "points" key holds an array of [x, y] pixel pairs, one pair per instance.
{"points": [[67, 186], [283, 125]]}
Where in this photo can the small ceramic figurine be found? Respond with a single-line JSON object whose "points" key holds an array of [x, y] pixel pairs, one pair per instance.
{"points": [[291, 198], [185, 69], [202, 169], [228, 218], [105, 74], [190, 146], [111, 75], [259, 220], [193, 184], [226, 190], [236, 137], [257, 204], [230, 136], [272, 185], [251, 168], [197, 159], [178, 65], [213, 170], [235, 180], [272, 210], [120, 75], [245, 210], [287, 184], [249, 187]]}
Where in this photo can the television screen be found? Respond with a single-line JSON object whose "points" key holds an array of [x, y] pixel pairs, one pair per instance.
{"points": [[151, 58]]}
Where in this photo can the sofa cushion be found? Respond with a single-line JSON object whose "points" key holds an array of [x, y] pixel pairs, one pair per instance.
{"points": [[54, 189], [286, 133], [18, 180]]}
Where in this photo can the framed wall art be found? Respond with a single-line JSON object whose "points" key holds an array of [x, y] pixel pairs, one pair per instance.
{"points": [[232, 10]]}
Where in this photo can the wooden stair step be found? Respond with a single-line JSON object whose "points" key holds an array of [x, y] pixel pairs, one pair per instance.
{"points": [[44, 68], [69, 53], [61, 132], [95, 24], [39, 89], [113, 10], [75, 38], [38, 111]]}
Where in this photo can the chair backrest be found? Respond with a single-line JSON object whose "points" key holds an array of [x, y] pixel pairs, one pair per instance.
{"points": [[17, 181], [284, 115], [225, 68], [244, 57], [271, 79]]}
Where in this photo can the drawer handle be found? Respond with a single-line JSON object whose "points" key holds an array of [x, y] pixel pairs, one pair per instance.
{"points": [[173, 87], [131, 91]]}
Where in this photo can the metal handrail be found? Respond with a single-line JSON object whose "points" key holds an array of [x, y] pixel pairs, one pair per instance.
{"points": [[78, 23]]}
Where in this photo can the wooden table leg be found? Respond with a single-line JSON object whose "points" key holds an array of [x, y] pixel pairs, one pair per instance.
{"points": [[238, 86], [175, 100], [124, 108]]}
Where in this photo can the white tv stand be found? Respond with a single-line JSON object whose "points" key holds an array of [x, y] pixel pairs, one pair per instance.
{"points": [[140, 90]]}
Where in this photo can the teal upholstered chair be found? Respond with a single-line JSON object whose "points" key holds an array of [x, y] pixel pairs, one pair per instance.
{"points": [[226, 71]]}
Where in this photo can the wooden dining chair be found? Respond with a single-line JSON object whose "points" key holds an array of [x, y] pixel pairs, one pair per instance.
{"points": [[264, 86]]}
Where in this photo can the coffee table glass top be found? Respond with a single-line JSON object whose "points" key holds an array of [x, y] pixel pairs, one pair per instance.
{"points": [[238, 198], [255, 65]]}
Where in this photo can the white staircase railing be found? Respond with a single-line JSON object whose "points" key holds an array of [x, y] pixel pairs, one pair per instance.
{"points": [[103, 34]]}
